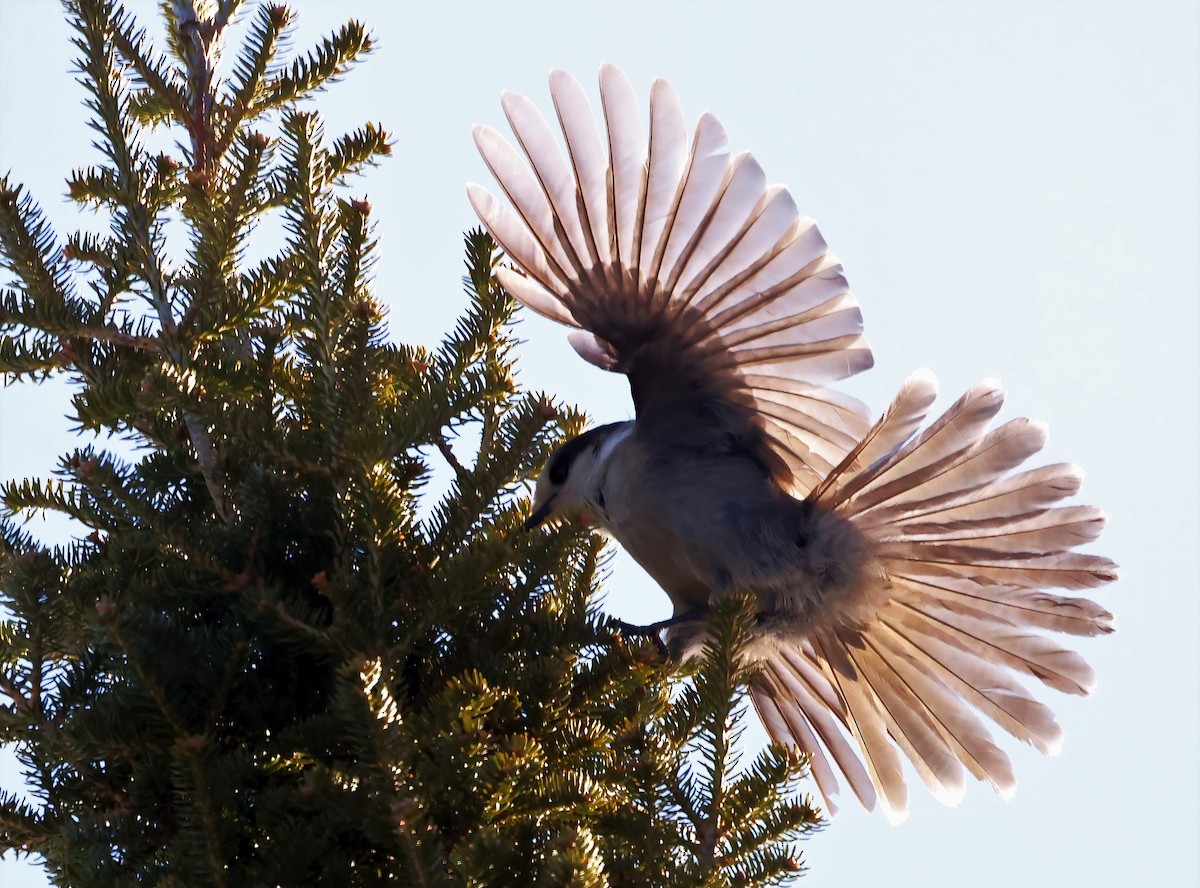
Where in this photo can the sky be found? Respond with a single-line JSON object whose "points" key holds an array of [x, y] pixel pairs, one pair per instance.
{"points": [[1012, 188]]}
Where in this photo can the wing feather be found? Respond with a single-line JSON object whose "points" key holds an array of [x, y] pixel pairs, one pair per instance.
{"points": [[515, 238], [684, 270], [964, 549], [535, 296], [537, 141], [667, 159], [704, 180], [731, 220], [525, 192], [627, 159], [588, 163]]}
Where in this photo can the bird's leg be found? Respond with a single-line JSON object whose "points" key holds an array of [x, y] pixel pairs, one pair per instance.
{"points": [[654, 629]]}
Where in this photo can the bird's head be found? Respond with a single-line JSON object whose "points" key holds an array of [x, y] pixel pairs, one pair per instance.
{"points": [[565, 485]]}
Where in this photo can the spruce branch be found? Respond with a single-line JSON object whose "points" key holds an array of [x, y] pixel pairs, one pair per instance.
{"points": [[109, 94], [20, 826], [279, 658], [139, 221], [255, 63], [322, 66], [161, 94], [443, 446], [196, 42], [351, 152], [29, 251]]}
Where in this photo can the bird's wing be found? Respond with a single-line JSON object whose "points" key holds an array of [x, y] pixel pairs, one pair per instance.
{"points": [[682, 268], [966, 550]]}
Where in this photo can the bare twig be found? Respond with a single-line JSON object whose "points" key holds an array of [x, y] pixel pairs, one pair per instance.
{"points": [[10, 689], [486, 436], [459, 468], [114, 336]]}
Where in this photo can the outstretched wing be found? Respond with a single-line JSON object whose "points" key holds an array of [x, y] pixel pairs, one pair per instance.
{"points": [[683, 269], [967, 550]]}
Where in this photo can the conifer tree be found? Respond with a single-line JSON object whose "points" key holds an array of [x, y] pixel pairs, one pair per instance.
{"points": [[268, 658]]}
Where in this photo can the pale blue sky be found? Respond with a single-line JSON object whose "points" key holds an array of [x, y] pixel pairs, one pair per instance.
{"points": [[1012, 187]]}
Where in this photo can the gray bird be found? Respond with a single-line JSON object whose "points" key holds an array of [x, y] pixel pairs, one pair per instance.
{"points": [[899, 574]]}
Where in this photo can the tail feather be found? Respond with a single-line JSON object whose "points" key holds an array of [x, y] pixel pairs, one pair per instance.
{"points": [[931, 452], [1015, 606], [867, 726], [907, 723], [795, 700], [966, 735], [970, 469], [983, 684], [1001, 643], [1018, 496], [896, 426], [782, 718], [819, 704], [1043, 533], [1061, 570]]}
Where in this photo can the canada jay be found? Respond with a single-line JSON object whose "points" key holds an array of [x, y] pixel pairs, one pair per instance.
{"points": [[899, 572]]}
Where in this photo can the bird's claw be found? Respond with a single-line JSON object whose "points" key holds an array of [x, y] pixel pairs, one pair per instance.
{"points": [[652, 631]]}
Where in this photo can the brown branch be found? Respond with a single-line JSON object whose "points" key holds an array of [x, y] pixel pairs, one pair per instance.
{"points": [[20, 701], [206, 458], [448, 454], [487, 435], [113, 336]]}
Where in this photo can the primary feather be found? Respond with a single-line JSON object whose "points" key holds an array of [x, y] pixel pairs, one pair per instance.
{"points": [[901, 572]]}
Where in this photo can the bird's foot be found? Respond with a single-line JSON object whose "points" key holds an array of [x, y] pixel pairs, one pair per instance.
{"points": [[654, 630]]}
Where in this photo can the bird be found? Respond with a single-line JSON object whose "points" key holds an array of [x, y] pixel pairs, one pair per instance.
{"points": [[901, 569]]}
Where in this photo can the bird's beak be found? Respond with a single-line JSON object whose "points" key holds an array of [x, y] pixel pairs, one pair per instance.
{"points": [[540, 514]]}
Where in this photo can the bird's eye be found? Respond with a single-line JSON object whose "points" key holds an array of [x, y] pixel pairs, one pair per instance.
{"points": [[558, 472]]}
